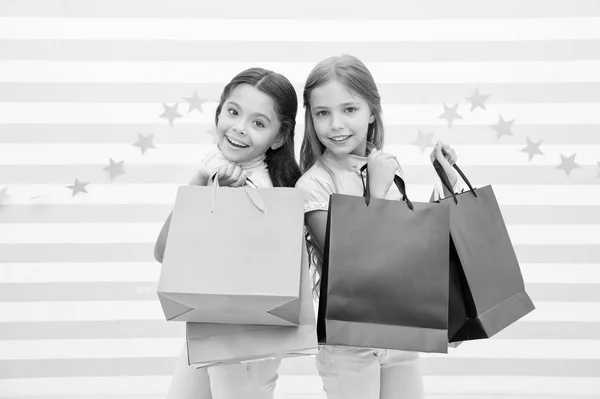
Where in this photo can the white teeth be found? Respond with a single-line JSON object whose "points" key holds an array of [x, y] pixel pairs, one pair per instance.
{"points": [[237, 143], [339, 138]]}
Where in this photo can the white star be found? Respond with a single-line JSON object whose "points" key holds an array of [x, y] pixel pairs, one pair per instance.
{"points": [[78, 187], [144, 142], [424, 140], [115, 169], [171, 113], [450, 113], [503, 127], [532, 149], [478, 100], [568, 163], [195, 102], [4, 195]]}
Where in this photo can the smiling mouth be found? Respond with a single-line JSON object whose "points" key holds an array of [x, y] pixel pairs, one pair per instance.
{"points": [[236, 143], [339, 139]]}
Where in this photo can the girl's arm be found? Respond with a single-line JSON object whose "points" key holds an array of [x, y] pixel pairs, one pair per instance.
{"points": [[317, 224], [161, 241]]}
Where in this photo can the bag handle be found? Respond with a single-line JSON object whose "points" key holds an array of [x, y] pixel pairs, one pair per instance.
{"points": [[446, 181], [398, 181], [249, 188]]}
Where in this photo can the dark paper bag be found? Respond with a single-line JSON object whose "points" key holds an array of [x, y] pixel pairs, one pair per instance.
{"points": [[487, 292], [384, 282]]}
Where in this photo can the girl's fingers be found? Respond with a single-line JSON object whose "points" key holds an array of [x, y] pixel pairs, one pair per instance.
{"points": [[241, 180], [230, 168], [222, 172], [236, 173]]}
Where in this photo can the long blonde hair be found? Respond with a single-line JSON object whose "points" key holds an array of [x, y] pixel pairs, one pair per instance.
{"points": [[354, 75]]}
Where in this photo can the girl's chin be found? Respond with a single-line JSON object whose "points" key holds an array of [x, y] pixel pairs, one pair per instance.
{"points": [[233, 156], [347, 150]]}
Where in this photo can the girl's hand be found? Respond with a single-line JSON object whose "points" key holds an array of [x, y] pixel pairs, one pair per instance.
{"points": [[231, 175], [382, 167], [447, 157]]}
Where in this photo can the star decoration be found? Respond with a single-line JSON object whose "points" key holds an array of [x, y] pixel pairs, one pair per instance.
{"points": [[115, 169], [78, 187], [568, 163], [4, 195], [424, 140], [532, 149], [144, 142], [195, 102], [171, 113], [450, 113], [478, 100], [503, 127]]}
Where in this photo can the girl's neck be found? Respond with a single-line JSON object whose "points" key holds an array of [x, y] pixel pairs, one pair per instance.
{"points": [[258, 162]]}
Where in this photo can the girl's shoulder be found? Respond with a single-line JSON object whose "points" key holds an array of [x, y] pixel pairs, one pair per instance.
{"points": [[317, 178]]}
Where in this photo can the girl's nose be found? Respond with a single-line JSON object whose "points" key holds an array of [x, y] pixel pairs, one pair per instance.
{"points": [[239, 128], [336, 121]]}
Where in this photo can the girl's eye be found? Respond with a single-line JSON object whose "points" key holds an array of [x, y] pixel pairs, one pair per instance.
{"points": [[321, 113], [232, 111], [351, 109], [259, 124]]}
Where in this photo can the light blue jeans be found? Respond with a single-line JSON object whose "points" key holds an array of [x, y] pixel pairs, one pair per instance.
{"points": [[364, 373], [255, 380]]}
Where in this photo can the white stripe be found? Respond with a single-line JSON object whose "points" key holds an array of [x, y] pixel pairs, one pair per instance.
{"points": [[548, 273], [412, 114], [80, 311], [151, 310], [91, 348], [99, 387], [165, 194], [75, 388], [171, 347], [292, 30], [220, 72], [191, 154], [107, 272], [77, 233], [79, 272]]}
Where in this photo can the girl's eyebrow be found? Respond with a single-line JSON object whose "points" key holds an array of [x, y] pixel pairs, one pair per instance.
{"points": [[341, 105], [256, 113]]}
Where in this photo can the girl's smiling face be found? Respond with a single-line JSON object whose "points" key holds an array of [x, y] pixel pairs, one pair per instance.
{"points": [[248, 125], [341, 119]]}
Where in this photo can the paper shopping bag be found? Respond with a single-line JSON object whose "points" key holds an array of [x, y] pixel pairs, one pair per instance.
{"points": [[222, 344], [488, 292], [384, 282], [233, 255]]}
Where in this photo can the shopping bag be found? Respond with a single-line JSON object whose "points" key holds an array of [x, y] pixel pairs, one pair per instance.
{"points": [[384, 281], [487, 293], [222, 344], [233, 255]]}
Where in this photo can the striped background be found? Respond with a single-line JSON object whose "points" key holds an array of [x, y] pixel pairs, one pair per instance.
{"points": [[80, 79]]}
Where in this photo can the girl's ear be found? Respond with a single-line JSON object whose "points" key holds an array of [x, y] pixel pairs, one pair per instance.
{"points": [[371, 118], [279, 140]]}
